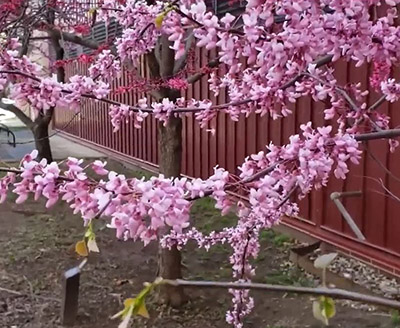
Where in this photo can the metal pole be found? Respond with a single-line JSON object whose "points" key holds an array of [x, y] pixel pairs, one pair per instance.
{"points": [[335, 196]]}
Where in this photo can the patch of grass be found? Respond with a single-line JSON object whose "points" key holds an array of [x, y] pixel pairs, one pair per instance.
{"points": [[140, 174], [261, 257], [207, 218], [277, 239], [395, 318], [204, 255], [291, 277]]}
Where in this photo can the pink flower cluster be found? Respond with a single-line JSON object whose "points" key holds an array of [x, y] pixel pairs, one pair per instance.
{"points": [[123, 113], [380, 73], [5, 184], [271, 53], [391, 89], [265, 193], [304, 164], [177, 83], [141, 209], [140, 34], [43, 95], [106, 66]]}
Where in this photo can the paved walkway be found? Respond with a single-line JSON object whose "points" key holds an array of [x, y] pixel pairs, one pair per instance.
{"points": [[61, 147]]}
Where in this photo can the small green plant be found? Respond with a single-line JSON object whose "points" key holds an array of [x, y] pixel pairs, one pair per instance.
{"points": [[395, 318], [291, 277], [324, 307], [277, 239], [136, 306]]}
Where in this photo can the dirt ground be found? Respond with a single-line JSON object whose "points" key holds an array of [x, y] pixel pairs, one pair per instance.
{"points": [[37, 246]]}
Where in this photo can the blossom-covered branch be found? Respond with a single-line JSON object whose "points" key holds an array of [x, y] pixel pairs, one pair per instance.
{"points": [[280, 52]]}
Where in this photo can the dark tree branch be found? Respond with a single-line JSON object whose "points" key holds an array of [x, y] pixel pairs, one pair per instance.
{"points": [[384, 134], [18, 113], [73, 38], [181, 62], [25, 43], [379, 102], [197, 76], [319, 63]]}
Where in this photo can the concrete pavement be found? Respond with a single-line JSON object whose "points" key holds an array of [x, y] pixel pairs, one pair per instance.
{"points": [[61, 147]]}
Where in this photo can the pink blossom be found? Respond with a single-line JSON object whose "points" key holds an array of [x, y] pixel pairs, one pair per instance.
{"points": [[106, 66], [177, 83], [99, 167]]}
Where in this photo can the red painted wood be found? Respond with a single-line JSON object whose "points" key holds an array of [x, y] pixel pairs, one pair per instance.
{"points": [[190, 138], [196, 127], [205, 146], [374, 213]]}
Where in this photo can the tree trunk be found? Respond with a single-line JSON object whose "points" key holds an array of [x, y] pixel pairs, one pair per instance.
{"points": [[41, 124], [40, 130], [170, 154], [170, 150]]}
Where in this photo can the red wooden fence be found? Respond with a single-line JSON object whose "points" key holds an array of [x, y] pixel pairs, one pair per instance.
{"points": [[376, 214]]}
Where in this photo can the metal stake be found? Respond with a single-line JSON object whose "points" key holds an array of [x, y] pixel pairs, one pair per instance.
{"points": [[70, 294]]}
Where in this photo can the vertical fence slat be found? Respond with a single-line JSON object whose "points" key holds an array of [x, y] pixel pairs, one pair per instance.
{"points": [[374, 213]]}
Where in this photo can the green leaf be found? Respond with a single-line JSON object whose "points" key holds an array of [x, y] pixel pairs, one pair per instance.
{"points": [[323, 261], [89, 230], [143, 311], [328, 307], [324, 309], [159, 20], [136, 306], [318, 313], [92, 11]]}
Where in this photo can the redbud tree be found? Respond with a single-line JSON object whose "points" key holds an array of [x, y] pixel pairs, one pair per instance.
{"points": [[289, 47]]}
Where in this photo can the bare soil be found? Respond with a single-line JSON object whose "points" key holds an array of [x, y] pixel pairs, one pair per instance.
{"points": [[37, 246]]}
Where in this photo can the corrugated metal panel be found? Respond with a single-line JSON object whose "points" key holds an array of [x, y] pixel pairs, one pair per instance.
{"points": [[221, 7], [101, 32]]}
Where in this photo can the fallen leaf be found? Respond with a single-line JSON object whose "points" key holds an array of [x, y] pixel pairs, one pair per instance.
{"points": [[81, 249], [143, 311]]}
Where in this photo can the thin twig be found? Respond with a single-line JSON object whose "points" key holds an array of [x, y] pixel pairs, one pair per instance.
{"points": [[379, 102], [388, 191], [10, 291], [16, 293], [287, 197], [371, 155]]}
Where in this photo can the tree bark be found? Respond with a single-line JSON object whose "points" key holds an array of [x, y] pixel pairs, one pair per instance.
{"points": [[40, 130], [170, 150], [170, 153]]}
